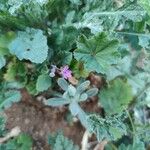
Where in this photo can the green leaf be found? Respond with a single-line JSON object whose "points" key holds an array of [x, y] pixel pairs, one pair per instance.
{"points": [[71, 91], [5, 39], [144, 41], [83, 97], [76, 110], [98, 53], [146, 5], [2, 125], [83, 86], [82, 117], [92, 92], [9, 98], [110, 128], [116, 97], [59, 142], [55, 102], [2, 61], [30, 45], [31, 87], [16, 71], [14, 5], [43, 82], [22, 142], [137, 145], [63, 83]]}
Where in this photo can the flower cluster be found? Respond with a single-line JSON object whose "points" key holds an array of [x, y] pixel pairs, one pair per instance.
{"points": [[64, 71]]}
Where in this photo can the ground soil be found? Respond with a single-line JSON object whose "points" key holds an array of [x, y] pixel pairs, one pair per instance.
{"points": [[39, 121]]}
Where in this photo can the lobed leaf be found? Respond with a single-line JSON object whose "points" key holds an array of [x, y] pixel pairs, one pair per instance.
{"points": [[116, 97], [59, 142], [110, 128], [98, 53], [30, 45]]}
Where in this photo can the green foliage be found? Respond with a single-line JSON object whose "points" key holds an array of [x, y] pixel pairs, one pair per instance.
{"points": [[73, 96], [146, 5], [137, 145], [116, 97], [98, 53], [30, 45], [110, 128], [8, 98], [22, 142], [16, 71], [2, 62], [4, 41], [59, 142], [43, 82], [2, 125], [104, 37]]}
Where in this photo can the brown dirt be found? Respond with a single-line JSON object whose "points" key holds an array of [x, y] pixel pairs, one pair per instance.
{"points": [[39, 121]]}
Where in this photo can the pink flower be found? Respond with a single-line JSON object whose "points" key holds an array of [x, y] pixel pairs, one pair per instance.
{"points": [[65, 72]]}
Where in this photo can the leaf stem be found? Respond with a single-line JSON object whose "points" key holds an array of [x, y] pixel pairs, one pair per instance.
{"points": [[108, 13], [133, 33], [84, 141], [131, 121]]}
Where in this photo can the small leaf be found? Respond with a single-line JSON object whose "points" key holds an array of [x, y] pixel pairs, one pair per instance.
{"points": [[59, 142], [2, 61], [83, 97], [24, 142], [4, 42], [83, 117], [63, 83], [74, 108], [71, 90], [43, 82], [92, 92], [9, 98], [83, 86], [55, 102]]}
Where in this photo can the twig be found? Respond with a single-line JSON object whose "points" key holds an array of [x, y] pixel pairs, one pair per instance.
{"points": [[92, 144], [13, 133], [84, 141], [101, 145]]}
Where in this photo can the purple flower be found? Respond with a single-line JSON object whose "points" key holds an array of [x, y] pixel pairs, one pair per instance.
{"points": [[65, 72], [53, 71]]}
